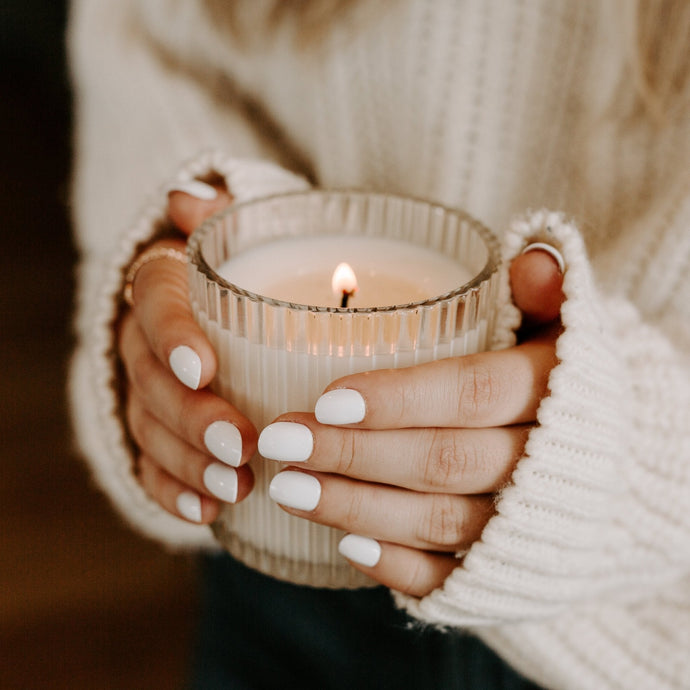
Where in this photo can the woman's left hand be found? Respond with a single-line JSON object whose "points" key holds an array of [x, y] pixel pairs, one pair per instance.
{"points": [[408, 461]]}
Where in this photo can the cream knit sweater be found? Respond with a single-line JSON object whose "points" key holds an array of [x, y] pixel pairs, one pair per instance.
{"points": [[582, 579]]}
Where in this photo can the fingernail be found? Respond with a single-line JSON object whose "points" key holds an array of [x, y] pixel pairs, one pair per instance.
{"points": [[221, 481], [549, 249], [189, 506], [295, 490], [340, 406], [361, 550], [195, 188], [186, 365], [286, 442], [224, 440]]}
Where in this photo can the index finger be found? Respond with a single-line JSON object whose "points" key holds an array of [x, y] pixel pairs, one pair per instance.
{"points": [[481, 390], [191, 203], [162, 308]]}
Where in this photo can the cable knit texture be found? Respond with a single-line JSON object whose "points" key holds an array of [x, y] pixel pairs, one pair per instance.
{"points": [[582, 578]]}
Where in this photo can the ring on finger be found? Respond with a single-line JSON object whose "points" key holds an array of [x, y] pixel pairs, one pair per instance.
{"points": [[147, 256]]}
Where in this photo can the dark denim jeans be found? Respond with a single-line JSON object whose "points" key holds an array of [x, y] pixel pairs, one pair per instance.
{"points": [[259, 633]]}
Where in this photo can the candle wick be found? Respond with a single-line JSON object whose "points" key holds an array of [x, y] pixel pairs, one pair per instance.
{"points": [[346, 297]]}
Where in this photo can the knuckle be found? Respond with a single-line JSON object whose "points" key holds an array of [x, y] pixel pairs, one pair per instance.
{"points": [[141, 373], [187, 415], [413, 580], [347, 452], [401, 397], [444, 522], [479, 390], [448, 462], [189, 469], [354, 510]]}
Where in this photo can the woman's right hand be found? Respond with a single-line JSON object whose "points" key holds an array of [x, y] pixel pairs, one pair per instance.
{"points": [[193, 446]]}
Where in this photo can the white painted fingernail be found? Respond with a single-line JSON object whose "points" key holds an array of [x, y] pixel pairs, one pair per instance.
{"points": [[221, 481], [225, 442], [189, 506], [340, 406], [286, 442], [549, 249], [186, 365], [195, 188], [361, 550], [295, 490]]}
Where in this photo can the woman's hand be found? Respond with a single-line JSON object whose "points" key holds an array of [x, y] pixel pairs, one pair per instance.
{"points": [[409, 461], [193, 445]]}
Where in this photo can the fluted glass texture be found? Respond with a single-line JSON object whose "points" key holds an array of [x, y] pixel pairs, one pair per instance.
{"points": [[276, 357]]}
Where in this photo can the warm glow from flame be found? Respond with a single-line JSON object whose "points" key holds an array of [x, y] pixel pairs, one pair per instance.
{"points": [[344, 279]]}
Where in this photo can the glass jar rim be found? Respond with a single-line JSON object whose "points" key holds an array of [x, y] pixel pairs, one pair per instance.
{"points": [[198, 260]]}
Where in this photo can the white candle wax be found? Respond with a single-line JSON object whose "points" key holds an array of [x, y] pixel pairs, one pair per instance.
{"points": [[388, 272]]}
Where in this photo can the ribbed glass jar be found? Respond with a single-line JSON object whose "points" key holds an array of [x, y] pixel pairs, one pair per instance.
{"points": [[276, 357]]}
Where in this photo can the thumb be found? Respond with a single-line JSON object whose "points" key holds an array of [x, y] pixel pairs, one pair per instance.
{"points": [[536, 279], [190, 203]]}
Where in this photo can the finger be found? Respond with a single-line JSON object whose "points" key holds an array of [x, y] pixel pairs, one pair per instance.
{"points": [[536, 280], [204, 420], [189, 204], [467, 461], [194, 469], [436, 522], [400, 568], [173, 496], [488, 389], [161, 306]]}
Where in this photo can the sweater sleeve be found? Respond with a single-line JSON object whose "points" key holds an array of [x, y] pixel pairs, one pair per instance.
{"points": [[137, 122], [582, 577]]}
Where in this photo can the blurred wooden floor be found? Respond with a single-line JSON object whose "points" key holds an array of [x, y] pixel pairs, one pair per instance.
{"points": [[84, 603]]}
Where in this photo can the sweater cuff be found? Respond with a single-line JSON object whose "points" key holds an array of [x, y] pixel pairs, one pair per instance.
{"points": [[555, 537], [95, 401]]}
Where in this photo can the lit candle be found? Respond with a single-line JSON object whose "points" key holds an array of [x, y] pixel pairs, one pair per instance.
{"points": [[388, 272]]}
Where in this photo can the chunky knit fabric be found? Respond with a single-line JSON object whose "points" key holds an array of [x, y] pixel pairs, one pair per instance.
{"points": [[582, 579]]}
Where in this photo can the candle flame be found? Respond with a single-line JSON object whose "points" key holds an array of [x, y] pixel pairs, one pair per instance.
{"points": [[344, 280]]}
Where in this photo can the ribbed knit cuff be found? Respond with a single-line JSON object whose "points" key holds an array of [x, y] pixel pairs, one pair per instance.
{"points": [[581, 578], [94, 395]]}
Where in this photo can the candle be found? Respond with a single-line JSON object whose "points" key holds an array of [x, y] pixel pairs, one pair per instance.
{"points": [[260, 287], [388, 272]]}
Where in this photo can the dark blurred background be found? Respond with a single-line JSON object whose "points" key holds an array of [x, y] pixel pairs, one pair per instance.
{"points": [[84, 602]]}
